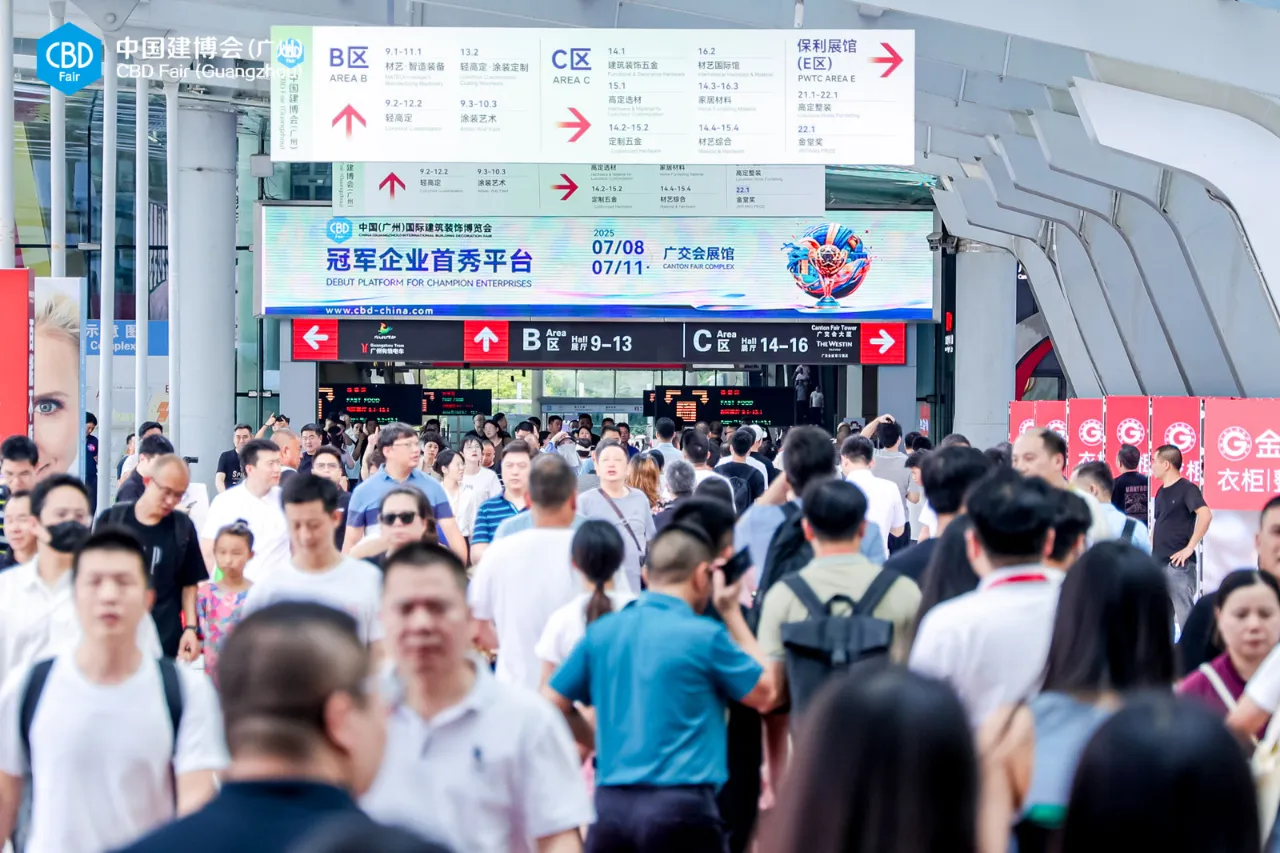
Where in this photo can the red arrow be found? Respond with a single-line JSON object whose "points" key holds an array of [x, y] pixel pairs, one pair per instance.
{"points": [[349, 113], [568, 186], [582, 125], [893, 60], [393, 179]]}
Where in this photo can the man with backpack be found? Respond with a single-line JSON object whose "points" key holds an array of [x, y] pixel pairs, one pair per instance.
{"points": [[838, 610], [108, 741], [175, 564], [745, 479]]}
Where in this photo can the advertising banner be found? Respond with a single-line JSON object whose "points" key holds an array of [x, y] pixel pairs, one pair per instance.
{"points": [[1052, 414], [1128, 421], [58, 401], [1022, 417], [17, 350], [531, 95], [858, 265], [563, 189], [1086, 438], [1176, 421], [1241, 453]]}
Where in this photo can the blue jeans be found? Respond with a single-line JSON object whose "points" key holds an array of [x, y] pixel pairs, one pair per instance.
{"points": [[646, 819]]}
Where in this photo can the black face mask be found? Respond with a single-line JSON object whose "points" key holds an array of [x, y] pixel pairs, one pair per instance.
{"points": [[67, 536]]}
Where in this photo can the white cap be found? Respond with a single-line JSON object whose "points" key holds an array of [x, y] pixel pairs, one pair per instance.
{"points": [[758, 430]]}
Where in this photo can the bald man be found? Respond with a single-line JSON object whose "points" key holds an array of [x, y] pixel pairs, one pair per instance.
{"points": [[174, 561], [290, 453]]}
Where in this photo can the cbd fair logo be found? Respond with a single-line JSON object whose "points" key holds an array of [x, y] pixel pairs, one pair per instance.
{"points": [[69, 59], [1091, 432], [1131, 431]]}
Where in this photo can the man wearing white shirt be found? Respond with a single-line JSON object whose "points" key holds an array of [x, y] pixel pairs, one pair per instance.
{"points": [[525, 578], [1043, 453], [474, 762], [256, 501], [991, 644], [119, 742], [37, 613], [884, 501]]}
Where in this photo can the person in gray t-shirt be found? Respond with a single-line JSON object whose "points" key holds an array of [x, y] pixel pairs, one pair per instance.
{"points": [[625, 508]]}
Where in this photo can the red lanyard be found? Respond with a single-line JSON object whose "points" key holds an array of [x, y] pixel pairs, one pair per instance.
{"points": [[1030, 577]]}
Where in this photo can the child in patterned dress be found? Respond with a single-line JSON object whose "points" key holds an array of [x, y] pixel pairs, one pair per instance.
{"points": [[219, 603]]}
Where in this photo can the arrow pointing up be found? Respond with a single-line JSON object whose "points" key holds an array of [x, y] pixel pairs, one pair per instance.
{"points": [[348, 112], [486, 338], [314, 336], [883, 340], [893, 60], [581, 125], [568, 186], [393, 179]]}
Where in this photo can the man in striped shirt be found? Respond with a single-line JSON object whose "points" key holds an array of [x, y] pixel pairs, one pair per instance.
{"points": [[516, 459]]}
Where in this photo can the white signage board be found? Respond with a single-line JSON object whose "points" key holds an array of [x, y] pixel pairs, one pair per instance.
{"points": [[517, 95], [521, 189]]}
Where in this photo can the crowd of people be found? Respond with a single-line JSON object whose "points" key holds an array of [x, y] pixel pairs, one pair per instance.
{"points": [[711, 638]]}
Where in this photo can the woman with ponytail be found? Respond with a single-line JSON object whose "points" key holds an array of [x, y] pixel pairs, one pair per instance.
{"points": [[597, 552]]}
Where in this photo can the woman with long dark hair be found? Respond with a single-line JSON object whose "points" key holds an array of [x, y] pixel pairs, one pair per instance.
{"points": [[885, 764], [597, 552], [1162, 774], [1113, 632], [949, 573]]}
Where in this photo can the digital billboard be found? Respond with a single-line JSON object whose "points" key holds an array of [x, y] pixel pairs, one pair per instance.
{"points": [[763, 406], [848, 266], [386, 404]]}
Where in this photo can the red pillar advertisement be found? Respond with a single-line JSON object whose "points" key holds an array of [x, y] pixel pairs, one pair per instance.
{"points": [[1052, 414], [1241, 453], [1086, 438], [1022, 417], [17, 350], [1176, 421], [1127, 420]]}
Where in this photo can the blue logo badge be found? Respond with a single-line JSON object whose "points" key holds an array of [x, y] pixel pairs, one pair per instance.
{"points": [[69, 59], [290, 53], [340, 229]]}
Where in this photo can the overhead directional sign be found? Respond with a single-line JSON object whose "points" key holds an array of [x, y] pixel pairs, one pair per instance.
{"points": [[554, 342], [563, 189], [524, 95], [884, 343]]}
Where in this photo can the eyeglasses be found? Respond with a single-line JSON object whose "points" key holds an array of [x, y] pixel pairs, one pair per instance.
{"points": [[407, 444], [390, 518]]}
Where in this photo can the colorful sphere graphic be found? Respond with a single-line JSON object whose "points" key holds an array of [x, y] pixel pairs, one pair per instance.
{"points": [[828, 262]]}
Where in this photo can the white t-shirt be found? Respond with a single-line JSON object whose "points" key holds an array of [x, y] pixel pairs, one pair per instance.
{"points": [[484, 483], [490, 775], [102, 753], [464, 506], [568, 625], [815, 400], [265, 516], [520, 582], [1264, 687], [929, 519], [352, 586], [884, 501]]}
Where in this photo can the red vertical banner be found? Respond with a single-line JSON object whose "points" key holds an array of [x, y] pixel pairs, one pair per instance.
{"points": [[1127, 420], [925, 412], [1086, 438], [1022, 417], [17, 350], [1241, 452], [1176, 421], [1052, 414]]}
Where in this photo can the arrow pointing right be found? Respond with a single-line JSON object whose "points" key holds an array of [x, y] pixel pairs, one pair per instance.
{"points": [[568, 186], [893, 60], [883, 340], [581, 125], [485, 338], [314, 336]]}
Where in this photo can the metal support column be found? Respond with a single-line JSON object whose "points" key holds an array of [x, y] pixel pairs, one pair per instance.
{"points": [[58, 173], [8, 220], [171, 244], [107, 326], [141, 249]]}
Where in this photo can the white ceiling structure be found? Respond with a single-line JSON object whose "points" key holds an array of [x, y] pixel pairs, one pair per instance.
{"points": [[1122, 151]]}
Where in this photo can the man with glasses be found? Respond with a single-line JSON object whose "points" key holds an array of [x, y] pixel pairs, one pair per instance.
{"points": [[326, 463], [172, 547], [402, 452]]}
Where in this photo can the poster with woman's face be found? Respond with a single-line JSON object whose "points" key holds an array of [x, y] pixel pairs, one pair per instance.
{"points": [[58, 402]]}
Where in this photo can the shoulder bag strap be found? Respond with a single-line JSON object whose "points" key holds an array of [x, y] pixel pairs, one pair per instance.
{"points": [[172, 695], [624, 521], [30, 700], [875, 593], [1126, 534], [1215, 681], [806, 595]]}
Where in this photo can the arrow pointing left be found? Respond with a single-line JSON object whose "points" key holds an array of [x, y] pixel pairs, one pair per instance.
{"points": [[348, 112], [314, 336]]}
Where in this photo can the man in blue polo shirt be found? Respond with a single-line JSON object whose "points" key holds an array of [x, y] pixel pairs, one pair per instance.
{"points": [[400, 449], [517, 457], [660, 677]]}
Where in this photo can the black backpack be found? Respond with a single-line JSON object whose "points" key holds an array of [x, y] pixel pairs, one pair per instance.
{"points": [[825, 644], [741, 494], [788, 553]]}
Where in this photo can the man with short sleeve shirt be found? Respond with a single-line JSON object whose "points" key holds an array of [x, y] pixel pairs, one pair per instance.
{"points": [[257, 502], [659, 676], [229, 472], [946, 474], [402, 452], [149, 449], [884, 501], [92, 792], [516, 459], [1181, 522]]}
